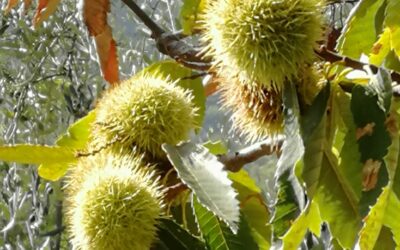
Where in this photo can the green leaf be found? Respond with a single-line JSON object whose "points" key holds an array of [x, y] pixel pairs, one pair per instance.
{"points": [[183, 76], [189, 14], [292, 148], [346, 143], [216, 148], [360, 33], [382, 211], [373, 143], [311, 117], [337, 204], [286, 205], [385, 240], [36, 154], [253, 208], [174, 237], [313, 153], [373, 222], [392, 61], [392, 20], [78, 133], [308, 219], [218, 236], [391, 219], [205, 175]]}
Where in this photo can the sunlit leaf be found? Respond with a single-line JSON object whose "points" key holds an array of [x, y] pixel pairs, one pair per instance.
{"points": [[373, 222], [217, 235], [392, 20], [337, 203], [54, 171], [308, 219], [391, 219], [359, 34], [253, 208], [36, 154], [381, 48], [205, 175], [78, 133]]}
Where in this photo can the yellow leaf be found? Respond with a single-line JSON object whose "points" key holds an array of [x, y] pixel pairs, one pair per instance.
{"points": [[395, 40], [310, 219], [53, 172], [381, 48], [36, 154]]}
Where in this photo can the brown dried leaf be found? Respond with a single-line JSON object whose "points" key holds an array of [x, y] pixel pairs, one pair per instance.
{"points": [[107, 52], [10, 5], [27, 4], [45, 9], [95, 15], [370, 174], [366, 130]]}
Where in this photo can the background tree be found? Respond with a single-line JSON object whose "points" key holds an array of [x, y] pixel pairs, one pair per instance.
{"points": [[345, 160]]}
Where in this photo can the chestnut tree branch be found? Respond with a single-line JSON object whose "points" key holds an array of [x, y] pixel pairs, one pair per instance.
{"points": [[330, 56], [171, 44], [234, 162]]}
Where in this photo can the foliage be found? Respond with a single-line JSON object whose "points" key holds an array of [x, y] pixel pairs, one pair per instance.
{"points": [[338, 151]]}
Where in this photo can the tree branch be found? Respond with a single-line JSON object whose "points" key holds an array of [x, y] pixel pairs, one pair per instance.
{"points": [[236, 161], [171, 44], [330, 56]]}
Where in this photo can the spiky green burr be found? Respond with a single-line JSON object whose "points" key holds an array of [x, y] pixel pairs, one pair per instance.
{"points": [[144, 112], [264, 40], [113, 203]]}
